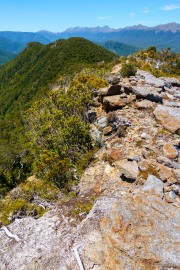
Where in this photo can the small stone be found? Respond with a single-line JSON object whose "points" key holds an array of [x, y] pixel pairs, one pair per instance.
{"points": [[143, 135], [95, 102], [165, 173], [171, 81], [153, 184], [128, 170], [113, 79], [144, 104], [107, 130], [116, 154], [174, 188], [170, 196], [168, 162], [169, 151], [151, 79], [133, 82], [134, 158]]}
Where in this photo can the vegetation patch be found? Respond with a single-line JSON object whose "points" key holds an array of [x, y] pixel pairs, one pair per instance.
{"points": [[150, 170], [28, 199], [45, 130]]}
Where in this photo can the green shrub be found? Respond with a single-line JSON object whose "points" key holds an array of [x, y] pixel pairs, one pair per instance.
{"points": [[128, 70]]}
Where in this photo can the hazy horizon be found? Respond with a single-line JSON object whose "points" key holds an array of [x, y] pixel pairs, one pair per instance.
{"points": [[57, 16]]}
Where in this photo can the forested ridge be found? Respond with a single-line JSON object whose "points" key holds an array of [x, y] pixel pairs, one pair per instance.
{"points": [[29, 138]]}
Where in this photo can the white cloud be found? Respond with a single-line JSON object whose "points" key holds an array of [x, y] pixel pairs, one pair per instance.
{"points": [[170, 7], [145, 10], [105, 17], [132, 14]]}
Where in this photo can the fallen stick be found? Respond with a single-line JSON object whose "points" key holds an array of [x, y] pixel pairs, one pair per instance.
{"points": [[75, 249], [11, 235]]}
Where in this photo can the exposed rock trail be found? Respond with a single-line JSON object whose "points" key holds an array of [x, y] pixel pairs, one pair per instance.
{"points": [[134, 223]]}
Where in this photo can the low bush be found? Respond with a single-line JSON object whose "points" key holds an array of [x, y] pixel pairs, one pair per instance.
{"points": [[128, 69]]}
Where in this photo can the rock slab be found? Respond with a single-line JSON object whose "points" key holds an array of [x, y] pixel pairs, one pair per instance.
{"points": [[168, 117]]}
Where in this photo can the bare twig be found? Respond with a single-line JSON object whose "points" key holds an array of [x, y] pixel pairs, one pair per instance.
{"points": [[75, 250], [11, 235]]}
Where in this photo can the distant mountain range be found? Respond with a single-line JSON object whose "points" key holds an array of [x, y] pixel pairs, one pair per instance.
{"points": [[161, 36]]}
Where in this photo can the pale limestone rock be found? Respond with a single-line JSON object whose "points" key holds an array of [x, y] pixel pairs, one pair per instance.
{"points": [[127, 169], [171, 81], [145, 104], [168, 117], [153, 185], [147, 92], [152, 80]]}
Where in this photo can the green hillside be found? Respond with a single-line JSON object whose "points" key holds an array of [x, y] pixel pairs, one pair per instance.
{"points": [[119, 48], [11, 46], [27, 80], [36, 67], [5, 56]]}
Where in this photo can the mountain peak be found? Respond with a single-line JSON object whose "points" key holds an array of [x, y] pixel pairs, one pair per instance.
{"points": [[173, 27], [137, 27], [96, 29]]}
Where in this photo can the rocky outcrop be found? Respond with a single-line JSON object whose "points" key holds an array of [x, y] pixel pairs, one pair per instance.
{"points": [[136, 234], [147, 92], [171, 81], [152, 80], [135, 231]]}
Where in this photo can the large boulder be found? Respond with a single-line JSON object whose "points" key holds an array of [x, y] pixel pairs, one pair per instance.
{"points": [[115, 102], [152, 80], [169, 117], [110, 91], [113, 79], [147, 92], [138, 232], [171, 81]]}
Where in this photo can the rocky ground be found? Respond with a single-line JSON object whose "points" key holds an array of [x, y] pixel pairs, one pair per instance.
{"points": [[134, 181]]}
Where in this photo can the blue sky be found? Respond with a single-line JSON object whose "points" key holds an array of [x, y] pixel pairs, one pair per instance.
{"points": [[57, 15]]}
